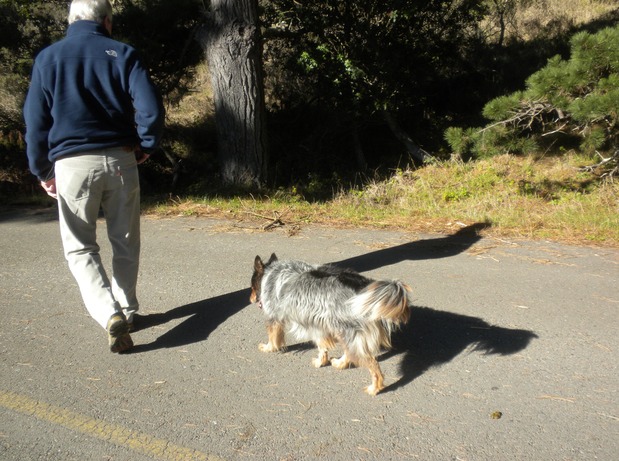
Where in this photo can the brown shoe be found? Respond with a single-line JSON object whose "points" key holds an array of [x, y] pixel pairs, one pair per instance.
{"points": [[118, 333]]}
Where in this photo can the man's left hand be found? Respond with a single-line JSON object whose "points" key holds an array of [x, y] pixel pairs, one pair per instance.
{"points": [[50, 187]]}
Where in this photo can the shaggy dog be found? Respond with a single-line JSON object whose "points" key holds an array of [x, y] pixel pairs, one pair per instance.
{"points": [[330, 305]]}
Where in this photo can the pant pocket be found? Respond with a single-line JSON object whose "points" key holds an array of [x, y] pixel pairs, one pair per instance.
{"points": [[74, 184]]}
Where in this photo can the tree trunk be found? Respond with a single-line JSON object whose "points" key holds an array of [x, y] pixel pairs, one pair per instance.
{"points": [[233, 51], [402, 136]]}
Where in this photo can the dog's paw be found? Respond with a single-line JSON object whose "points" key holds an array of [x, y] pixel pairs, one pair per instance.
{"points": [[319, 363], [373, 390], [267, 348], [340, 363]]}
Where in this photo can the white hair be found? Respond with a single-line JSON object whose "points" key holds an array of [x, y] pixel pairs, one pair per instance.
{"points": [[90, 10]]}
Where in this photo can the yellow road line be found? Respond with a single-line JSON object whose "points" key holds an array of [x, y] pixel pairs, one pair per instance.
{"points": [[134, 440]]}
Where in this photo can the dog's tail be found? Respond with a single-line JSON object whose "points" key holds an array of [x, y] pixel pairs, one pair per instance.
{"points": [[388, 301], [385, 305]]}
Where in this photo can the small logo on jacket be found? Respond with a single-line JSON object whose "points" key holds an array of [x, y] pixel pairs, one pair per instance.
{"points": [[112, 53]]}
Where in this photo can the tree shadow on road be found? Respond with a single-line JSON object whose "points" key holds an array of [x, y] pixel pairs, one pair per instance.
{"points": [[30, 215], [433, 338], [434, 248]]}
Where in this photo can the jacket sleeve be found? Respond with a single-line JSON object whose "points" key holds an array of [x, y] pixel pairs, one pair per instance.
{"points": [[37, 115], [149, 111]]}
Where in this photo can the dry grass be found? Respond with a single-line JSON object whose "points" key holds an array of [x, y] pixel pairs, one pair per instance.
{"points": [[530, 19], [519, 197], [197, 104], [576, 11], [527, 198]]}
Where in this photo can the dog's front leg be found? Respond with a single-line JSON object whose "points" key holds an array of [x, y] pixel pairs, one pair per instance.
{"points": [[342, 362], [322, 359], [377, 377], [275, 330]]}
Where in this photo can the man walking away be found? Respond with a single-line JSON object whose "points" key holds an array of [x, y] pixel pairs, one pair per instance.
{"points": [[92, 114]]}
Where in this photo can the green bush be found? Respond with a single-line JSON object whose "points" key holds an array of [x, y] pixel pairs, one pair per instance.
{"points": [[575, 96]]}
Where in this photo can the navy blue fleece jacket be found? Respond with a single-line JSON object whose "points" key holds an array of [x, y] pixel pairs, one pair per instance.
{"points": [[88, 92]]}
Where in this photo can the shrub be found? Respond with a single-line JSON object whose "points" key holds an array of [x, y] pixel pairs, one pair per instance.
{"points": [[575, 96]]}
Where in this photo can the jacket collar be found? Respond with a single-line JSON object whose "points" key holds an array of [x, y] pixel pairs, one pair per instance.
{"points": [[86, 27]]}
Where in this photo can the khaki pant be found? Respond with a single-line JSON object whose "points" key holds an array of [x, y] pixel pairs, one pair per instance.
{"points": [[104, 179]]}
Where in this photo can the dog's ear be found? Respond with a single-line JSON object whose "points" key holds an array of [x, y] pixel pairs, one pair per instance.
{"points": [[273, 258], [258, 264]]}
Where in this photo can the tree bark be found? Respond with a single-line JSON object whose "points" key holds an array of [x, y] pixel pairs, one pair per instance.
{"points": [[233, 51], [402, 136]]}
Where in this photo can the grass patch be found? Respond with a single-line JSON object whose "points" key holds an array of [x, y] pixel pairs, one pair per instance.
{"points": [[520, 197]]}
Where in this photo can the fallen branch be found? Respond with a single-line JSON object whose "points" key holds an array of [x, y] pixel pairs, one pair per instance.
{"points": [[274, 221], [604, 162]]}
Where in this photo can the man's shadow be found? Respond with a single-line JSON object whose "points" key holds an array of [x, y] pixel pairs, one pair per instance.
{"points": [[431, 338], [202, 318]]}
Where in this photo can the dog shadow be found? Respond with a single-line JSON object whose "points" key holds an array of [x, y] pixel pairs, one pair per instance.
{"points": [[433, 338]]}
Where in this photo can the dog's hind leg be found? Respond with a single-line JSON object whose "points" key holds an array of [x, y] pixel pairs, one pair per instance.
{"points": [[275, 330], [324, 345], [377, 376]]}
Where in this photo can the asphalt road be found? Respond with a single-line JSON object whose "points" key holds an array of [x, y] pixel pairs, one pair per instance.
{"points": [[511, 352]]}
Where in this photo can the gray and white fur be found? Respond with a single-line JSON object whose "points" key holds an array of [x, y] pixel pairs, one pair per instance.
{"points": [[330, 305]]}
